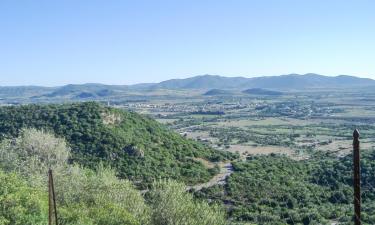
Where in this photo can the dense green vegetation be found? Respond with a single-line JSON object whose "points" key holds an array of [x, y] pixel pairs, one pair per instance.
{"points": [[278, 190], [21, 204], [137, 147], [85, 196], [114, 152]]}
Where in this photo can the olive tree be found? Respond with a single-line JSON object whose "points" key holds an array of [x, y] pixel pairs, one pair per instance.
{"points": [[33, 153], [172, 205], [21, 204], [97, 195]]}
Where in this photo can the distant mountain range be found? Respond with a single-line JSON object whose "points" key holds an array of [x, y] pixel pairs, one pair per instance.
{"points": [[291, 81], [218, 85]]}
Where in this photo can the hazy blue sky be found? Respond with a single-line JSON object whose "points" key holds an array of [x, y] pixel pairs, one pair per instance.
{"points": [[123, 42]]}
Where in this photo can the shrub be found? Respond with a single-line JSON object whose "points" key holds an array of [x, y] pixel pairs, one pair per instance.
{"points": [[172, 205], [19, 203]]}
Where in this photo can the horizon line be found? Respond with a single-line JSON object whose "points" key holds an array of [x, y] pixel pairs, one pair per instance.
{"points": [[183, 78]]}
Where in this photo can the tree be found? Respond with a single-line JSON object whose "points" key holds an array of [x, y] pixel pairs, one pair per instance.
{"points": [[172, 205], [33, 153], [99, 196], [21, 204]]}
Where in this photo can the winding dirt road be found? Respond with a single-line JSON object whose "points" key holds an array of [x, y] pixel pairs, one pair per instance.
{"points": [[225, 171]]}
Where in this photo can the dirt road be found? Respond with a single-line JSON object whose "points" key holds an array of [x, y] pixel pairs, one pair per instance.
{"points": [[225, 171]]}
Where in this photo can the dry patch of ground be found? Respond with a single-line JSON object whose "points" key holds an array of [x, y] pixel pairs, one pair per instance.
{"points": [[226, 169], [344, 146], [206, 163], [264, 122], [111, 118], [260, 150], [166, 121]]}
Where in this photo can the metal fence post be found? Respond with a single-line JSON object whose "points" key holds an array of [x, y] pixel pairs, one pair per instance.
{"points": [[52, 209], [356, 178]]}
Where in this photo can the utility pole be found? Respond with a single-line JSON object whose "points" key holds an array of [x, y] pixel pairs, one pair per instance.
{"points": [[356, 178], [52, 209]]}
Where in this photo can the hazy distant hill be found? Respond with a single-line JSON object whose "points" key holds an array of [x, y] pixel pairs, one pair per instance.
{"points": [[217, 85], [214, 92], [14, 91], [260, 91], [85, 90], [74, 91], [202, 82], [291, 81]]}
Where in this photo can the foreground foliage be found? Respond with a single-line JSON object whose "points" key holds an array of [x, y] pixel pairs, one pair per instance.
{"points": [[21, 204], [172, 205], [85, 196]]}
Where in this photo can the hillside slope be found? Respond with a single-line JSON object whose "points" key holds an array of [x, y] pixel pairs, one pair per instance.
{"points": [[138, 148], [214, 92], [260, 91]]}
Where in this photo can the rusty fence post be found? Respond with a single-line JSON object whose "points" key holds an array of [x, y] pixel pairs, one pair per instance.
{"points": [[52, 209], [356, 178]]}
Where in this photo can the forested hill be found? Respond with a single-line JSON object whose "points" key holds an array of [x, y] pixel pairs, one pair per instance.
{"points": [[137, 147]]}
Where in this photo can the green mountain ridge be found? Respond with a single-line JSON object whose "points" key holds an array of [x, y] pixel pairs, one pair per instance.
{"points": [[137, 147]]}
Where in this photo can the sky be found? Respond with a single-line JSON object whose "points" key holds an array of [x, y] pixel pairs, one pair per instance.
{"points": [[139, 41]]}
